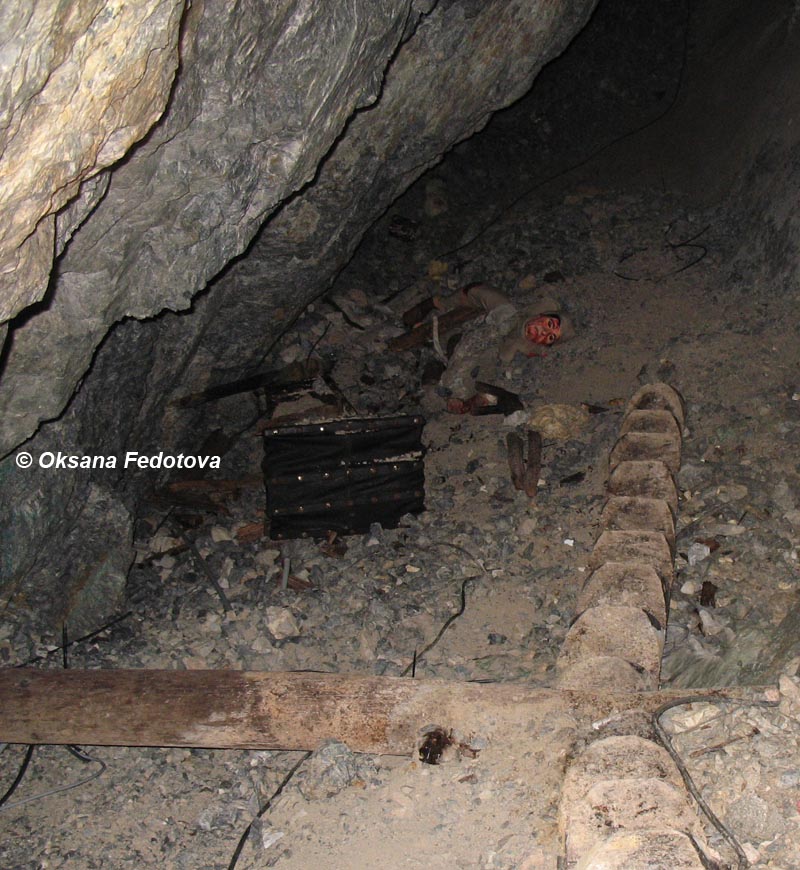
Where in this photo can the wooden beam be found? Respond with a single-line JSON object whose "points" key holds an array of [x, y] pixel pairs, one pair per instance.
{"points": [[423, 333], [277, 710]]}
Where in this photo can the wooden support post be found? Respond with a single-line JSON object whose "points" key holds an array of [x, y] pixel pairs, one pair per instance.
{"points": [[275, 710]]}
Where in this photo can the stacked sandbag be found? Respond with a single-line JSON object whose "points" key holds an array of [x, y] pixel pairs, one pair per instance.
{"points": [[623, 805], [617, 638]]}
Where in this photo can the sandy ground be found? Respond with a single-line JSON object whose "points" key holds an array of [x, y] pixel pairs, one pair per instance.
{"points": [[647, 307]]}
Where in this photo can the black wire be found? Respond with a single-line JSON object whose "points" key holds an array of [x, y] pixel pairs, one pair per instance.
{"points": [[666, 742], [83, 639], [673, 246], [78, 753], [64, 646], [199, 560], [314, 346], [26, 761], [418, 655], [267, 805], [442, 630], [74, 750]]}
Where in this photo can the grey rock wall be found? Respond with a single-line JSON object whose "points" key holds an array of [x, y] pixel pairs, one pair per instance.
{"points": [[79, 84], [290, 128], [263, 92]]}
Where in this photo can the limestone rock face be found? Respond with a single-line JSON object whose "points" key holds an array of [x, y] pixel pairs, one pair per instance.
{"points": [[291, 126], [79, 84], [263, 91]]}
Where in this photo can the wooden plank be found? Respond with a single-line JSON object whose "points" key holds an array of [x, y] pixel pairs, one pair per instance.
{"points": [[279, 710], [423, 333]]}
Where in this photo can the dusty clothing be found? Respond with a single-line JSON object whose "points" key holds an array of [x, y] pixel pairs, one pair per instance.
{"points": [[497, 337]]}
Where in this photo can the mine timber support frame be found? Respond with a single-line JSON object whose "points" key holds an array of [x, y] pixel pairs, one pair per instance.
{"points": [[285, 710]]}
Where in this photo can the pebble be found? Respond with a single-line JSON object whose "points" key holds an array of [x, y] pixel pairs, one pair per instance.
{"points": [[754, 819], [697, 552], [331, 768], [266, 558], [269, 836], [790, 779], [281, 623]]}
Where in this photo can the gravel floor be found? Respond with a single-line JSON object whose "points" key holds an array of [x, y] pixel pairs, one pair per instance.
{"points": [[643, 312]]}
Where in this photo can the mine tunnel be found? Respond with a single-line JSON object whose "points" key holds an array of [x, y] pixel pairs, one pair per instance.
{"points": [[399, 434]]}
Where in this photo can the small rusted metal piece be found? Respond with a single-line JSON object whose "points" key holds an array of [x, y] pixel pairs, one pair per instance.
{"points": [[434, 745]]}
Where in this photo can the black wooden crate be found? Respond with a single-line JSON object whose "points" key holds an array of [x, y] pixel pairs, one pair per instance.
{"points": [[341, 476]]}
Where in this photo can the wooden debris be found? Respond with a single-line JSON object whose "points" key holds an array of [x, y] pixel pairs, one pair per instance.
{"points": [[278, 710], [333, 546], [293, 378], [516, 459], [250, 532], [318, 411], [214, 486], [423, 333], [298, 584], [708, 594], [525, 473], [417, 313], [203, 494]]}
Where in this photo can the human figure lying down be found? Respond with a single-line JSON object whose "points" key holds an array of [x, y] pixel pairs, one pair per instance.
{"points": [[503, 333]]}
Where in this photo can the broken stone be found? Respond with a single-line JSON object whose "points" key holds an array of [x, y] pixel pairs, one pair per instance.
{"points": [[267, 558], [658, 396], [627, 584], [643, 850], [281, 623], [710, 625], [220, 534], [662, 422], [332, 768], [638, 446], [559, 421], [754, 819], [790, 696], [697, 552], [631, 513], [649, 548], [598, 672]]}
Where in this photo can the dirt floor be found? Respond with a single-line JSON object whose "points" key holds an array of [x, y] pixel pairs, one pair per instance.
{"points": [[647, 279]]}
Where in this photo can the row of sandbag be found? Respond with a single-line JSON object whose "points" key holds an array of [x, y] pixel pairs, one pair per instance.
{"points": [[623, 803]]}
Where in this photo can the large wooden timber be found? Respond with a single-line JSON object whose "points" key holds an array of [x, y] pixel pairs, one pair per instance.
{"points": [[285, 710]]}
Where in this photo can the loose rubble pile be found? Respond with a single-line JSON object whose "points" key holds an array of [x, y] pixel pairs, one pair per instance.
{"points": [[484, 585]]}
